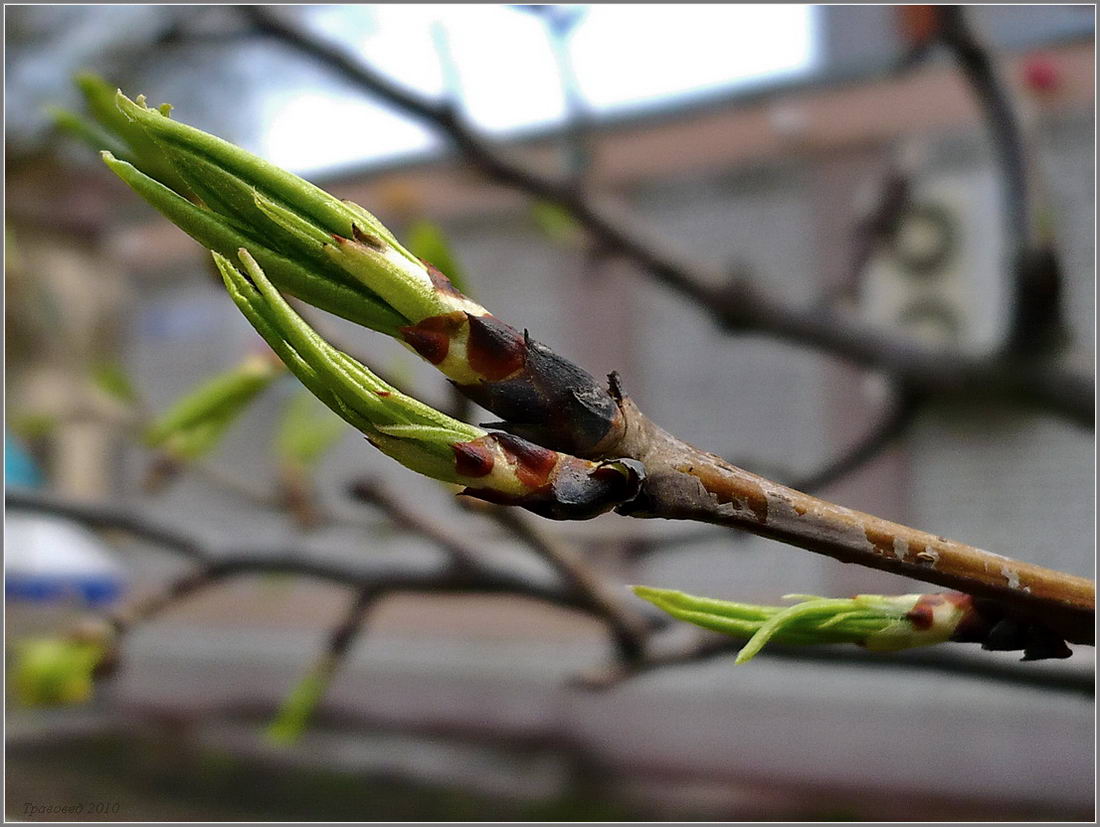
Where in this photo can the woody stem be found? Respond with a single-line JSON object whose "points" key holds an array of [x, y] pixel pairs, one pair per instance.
{"points": [[685, 483]]}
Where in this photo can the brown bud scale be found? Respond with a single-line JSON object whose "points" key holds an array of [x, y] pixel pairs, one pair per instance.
{"points": [[473, 459], [533, 463], [495, 350], [431, 337]]}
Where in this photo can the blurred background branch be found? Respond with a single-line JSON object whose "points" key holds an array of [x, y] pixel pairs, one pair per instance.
{"points": [[938, 296], [740, 306]]}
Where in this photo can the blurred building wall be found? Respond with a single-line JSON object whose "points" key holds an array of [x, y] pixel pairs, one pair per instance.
{"points": [[769, 185]]}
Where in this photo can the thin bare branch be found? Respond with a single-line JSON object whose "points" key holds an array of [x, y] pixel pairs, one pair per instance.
{"points": [[887, 429], [372, 579], [104, 516], [628, 627], [135, 612], [707, 645], [1035, 324], [741, 307]]}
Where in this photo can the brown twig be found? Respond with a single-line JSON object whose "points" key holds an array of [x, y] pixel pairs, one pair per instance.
{"points": [[627, 628], [342, 636], [479, 575], [688, 484], [129, 615], [1004, 129], [742, 308], [373, 578]]}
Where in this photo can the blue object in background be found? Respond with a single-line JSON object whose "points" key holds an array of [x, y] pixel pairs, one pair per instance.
{"points": [[49, 559], [19, 468]]}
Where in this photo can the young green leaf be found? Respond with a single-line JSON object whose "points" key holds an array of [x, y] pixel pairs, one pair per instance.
{"points": [[293, 716], [306, 432], [193, 425]]}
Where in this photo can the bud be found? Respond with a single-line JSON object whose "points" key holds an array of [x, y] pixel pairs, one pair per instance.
{"points": [[339, 257], [291, 720], [57, 671], [877, 622], [497, 467]]}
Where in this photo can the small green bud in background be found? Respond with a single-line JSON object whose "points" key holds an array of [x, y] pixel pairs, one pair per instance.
{"points": [[306, 432], [555, 222], [195, 423], [110, 378], [877, 622], [293, 716], [60, 671]]}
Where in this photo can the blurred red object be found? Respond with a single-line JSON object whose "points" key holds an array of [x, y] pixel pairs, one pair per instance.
{"points": [[918, 24], [1041, 75]]}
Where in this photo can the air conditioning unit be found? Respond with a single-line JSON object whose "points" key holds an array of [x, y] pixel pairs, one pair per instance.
{"points": [[943, 277]]}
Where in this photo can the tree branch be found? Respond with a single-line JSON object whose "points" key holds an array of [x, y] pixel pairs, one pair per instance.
{"points": [[740, 307], [685, 483], [629, 628], [1035, 323], [373, 579], [479, 575]]}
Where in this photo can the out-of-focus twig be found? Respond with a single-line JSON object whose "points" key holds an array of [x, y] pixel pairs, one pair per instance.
{"points": [[1035, 322], [884, 432], [742, 307], [373, 578], [479, 575], [707, 645], [628, 628]]}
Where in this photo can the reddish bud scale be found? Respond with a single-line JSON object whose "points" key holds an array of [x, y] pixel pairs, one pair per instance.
{"points": [[573, 488], [541, 396], [922, 615], [553, 402], [431, 337], [533, 464], [495, 350], [473, 459]]}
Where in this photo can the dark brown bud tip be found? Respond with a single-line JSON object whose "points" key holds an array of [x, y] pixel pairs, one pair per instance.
{"points": [[577, 491], [987, 623], [533, 463], [553, 402], [1042, 644]]}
